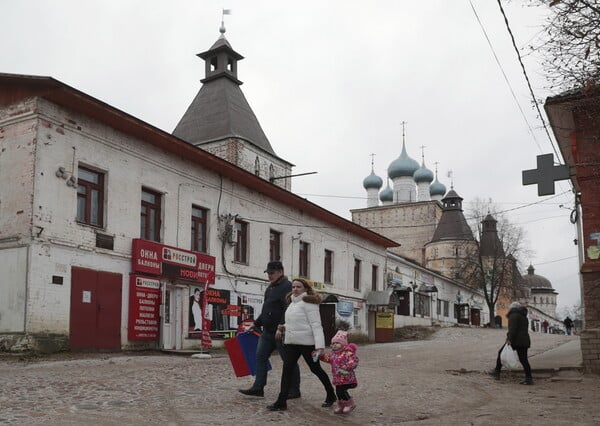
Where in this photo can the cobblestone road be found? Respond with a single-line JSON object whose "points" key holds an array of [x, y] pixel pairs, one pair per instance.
{"points": [[438, 381]]}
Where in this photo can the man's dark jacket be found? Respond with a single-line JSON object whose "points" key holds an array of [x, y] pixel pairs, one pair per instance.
{"points": [[274, 305], [518, 328]]}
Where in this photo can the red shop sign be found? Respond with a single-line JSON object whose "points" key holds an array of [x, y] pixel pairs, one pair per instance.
{"points": [[162, 260], [144, 304]]}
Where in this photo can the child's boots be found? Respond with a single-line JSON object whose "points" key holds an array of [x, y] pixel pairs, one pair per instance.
{"points": [[339, 407], [348, 406]]}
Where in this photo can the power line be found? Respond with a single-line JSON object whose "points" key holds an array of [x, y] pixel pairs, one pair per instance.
{"points": [[402, 226], [556, 260], [505, 76], [535, 102]]}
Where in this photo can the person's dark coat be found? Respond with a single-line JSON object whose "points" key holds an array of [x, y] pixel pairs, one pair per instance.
{"points": [[274, 305], [518, 330]]}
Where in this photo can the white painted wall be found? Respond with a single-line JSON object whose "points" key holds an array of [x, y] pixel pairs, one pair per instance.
{"points": [[57, 138]]}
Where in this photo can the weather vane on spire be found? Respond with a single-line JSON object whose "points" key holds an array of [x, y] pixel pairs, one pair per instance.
{"points": [[451, 176], [403, 130], [222, 29]]}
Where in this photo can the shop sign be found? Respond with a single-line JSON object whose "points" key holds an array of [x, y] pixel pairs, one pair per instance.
{"points": [[345, 308], [144, 304], [216, 311], [384, 320], [162, 260]]}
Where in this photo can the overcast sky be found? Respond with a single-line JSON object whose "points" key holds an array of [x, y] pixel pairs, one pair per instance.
{"points": [[330, 83]]}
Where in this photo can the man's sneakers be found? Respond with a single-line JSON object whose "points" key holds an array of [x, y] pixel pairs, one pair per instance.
{"points": [[253, 392]]}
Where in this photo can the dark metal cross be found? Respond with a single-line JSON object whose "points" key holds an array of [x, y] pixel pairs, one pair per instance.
{"points": [[546, 174]]}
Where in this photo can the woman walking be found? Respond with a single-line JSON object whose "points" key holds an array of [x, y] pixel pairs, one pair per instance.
{"points": [[518, 338], [302, 335]]}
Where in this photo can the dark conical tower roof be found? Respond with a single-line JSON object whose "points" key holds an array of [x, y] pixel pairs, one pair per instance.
{"points": [[452, 225], [490, 243], [220, 109]]}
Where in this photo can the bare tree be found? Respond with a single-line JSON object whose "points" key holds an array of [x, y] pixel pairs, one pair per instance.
{"points": [[493, 265], [570, 43]]}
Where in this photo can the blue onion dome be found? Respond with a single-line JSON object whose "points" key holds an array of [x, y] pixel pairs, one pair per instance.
{"points": [[386, 194], [403, 165], [437, 188], [423, 174], [372, 181]]}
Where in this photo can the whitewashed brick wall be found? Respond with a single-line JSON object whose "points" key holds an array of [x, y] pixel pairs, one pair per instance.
{"points": [[61, 138]]}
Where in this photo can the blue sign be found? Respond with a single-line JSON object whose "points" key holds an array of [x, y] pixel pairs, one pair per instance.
{"points": [[345, 309]]}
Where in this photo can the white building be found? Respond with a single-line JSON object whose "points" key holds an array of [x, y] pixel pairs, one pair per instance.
{"points": [[108, 225], [81, 182]]}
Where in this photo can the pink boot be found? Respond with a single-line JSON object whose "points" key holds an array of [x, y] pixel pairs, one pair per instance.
{"points": [[349, 406], [339, 408]]}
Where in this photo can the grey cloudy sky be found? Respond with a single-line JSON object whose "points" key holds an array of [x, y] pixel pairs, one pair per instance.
{"points": [[330, 82]]}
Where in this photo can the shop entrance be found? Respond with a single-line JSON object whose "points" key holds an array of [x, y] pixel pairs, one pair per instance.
{"points": [[174, 316]]}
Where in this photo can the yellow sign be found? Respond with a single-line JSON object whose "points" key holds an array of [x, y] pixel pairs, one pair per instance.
{"points": [[384, 320]]}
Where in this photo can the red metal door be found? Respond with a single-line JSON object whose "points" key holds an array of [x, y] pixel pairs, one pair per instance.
{"points": [[95, 319]]}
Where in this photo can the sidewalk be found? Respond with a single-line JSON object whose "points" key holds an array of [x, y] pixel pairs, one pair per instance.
{"points": [[564, 357]]}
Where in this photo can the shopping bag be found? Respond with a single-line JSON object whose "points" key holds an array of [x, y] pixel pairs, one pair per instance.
{"points": [[242, 353], [236, 356], [509, 358]]}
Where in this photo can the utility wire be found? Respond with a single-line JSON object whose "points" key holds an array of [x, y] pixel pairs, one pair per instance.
{"points": [[556, 260], [537, 106], [402, 226], [505, 76]]}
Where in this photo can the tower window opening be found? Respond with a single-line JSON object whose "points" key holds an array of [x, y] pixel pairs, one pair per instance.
{"points": [[229, 64], [213, 64]]}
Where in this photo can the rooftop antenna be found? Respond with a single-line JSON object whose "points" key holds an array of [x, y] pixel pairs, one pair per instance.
{"points": [[222, 29]]}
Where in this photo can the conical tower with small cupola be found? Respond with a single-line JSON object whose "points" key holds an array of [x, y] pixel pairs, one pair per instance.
{"points": [[453, 240], [220, 120]]}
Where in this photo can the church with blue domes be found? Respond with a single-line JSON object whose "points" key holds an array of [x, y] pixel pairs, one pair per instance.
{"points": [[409, 208]]}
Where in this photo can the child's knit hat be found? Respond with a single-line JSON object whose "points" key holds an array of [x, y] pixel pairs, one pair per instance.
{"points": [[340, 337]]}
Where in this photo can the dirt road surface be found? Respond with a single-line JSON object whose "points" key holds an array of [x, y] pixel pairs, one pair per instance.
{"points": [[441, 381]]}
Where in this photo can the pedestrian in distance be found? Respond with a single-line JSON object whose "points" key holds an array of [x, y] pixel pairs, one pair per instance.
{"points": [[518, 338], [273, 309], [343, 360], [302, 334], [568, 322]]}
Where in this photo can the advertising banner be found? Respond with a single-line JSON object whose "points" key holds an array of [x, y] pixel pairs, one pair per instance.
{"points": [[162, 260], [144, 308]]}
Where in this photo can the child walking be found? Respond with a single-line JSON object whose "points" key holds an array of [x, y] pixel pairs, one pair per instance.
{"points": [[343, 360]]}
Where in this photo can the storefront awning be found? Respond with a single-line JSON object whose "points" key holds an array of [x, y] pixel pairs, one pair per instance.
{"points": [[383, 298]]}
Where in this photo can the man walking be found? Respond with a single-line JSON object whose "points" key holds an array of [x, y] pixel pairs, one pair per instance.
{"points": [[568, 322], [273, 310]]}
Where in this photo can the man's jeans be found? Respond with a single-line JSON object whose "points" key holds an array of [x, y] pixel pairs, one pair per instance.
{"points": [[266, 345]]}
